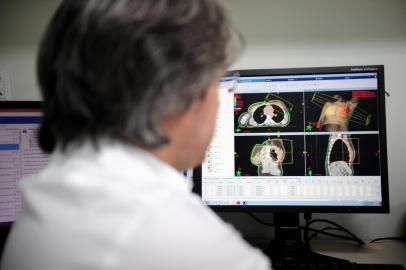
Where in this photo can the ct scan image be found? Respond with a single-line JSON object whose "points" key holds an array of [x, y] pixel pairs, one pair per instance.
{"points": [[269, 156], [342, 155], [268, 112], [336, 111]]}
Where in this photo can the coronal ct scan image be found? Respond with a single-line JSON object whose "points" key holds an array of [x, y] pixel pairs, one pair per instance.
{"points": [[269, 156], [268, 112], [336, 111]]}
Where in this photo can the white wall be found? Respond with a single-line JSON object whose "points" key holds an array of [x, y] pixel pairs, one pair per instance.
{"points": [[279, 33], [21, 25], [306, 33]]}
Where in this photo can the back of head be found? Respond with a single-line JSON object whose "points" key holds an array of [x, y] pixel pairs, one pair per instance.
{"points": [[114, 68]]}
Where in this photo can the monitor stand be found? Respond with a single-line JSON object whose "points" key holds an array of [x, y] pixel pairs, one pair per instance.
{"points": [[288, 246]]}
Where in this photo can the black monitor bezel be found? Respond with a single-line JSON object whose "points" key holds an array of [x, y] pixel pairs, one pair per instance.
{"points": [[384, 208], [18, 105], [21, 104]]}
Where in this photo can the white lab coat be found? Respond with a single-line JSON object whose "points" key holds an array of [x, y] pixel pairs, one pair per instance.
{"points": [[119, 208]]}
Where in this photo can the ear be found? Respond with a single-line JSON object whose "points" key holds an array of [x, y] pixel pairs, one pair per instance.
{"points": [[173, 123], [196, 115]]}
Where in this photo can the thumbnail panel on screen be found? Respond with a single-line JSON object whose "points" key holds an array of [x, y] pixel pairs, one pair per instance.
{"points": [[342, 155], [269, 156], [333, 111], [268, 112]]}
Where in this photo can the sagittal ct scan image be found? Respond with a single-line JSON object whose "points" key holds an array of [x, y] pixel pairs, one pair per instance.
{"points": [[342, 155]]}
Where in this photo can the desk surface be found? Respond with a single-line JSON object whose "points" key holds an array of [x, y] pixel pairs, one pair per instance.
{"points": [[390, 252], [382, 252]]}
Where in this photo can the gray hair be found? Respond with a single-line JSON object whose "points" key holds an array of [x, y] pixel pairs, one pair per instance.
{"points": [[115, 68]]}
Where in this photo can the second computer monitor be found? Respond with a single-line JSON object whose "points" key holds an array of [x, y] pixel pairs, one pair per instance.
{"points": [[20, 153]]}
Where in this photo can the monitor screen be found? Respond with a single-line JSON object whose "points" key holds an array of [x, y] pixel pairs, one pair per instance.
{"points": [[20, 154], [308, 139]]}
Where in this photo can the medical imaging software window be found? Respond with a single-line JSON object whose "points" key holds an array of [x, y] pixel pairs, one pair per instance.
{"points": [[20, 156], [296, 140]]}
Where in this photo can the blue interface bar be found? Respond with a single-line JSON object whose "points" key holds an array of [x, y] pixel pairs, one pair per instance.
{"points": [[20, 119], [9, 147], [307, 78]]}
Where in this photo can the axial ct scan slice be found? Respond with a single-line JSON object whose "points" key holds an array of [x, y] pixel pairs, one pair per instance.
{"points": [[268, 113], [269, 156]]}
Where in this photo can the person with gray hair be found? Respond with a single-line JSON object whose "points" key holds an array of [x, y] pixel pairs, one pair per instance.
{"points": [[130, 100]]}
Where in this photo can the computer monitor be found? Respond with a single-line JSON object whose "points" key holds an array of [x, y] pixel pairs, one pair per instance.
{"points": [[299, 140], [20, 154]]}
